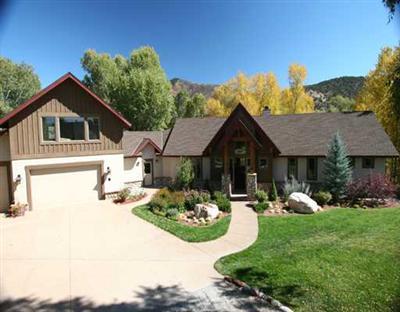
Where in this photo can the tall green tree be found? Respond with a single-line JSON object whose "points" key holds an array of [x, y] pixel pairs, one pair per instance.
{"points": [[339, 103], [138, 86], [337, 170], [392, 5], [18, 82]]}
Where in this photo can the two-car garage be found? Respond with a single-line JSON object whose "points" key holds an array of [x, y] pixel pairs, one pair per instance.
{"points": [[54, 186]]}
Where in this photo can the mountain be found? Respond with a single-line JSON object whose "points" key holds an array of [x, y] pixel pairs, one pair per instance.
{"points": [[192, 87], [347, 86]]}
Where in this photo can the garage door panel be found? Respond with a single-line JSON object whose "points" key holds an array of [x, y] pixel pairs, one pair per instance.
{"points": [[54, 187]]}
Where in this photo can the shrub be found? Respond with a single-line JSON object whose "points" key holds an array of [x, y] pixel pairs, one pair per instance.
{"points": [[206, 197], [260, 207], [123, 194], [322, 198], [261, 196], [165, 199], [375, 186], [194, 197], [185, 173], [222, 202], [172, 213], [292, 185], [337, 170], [273, 194], [16, 210]]}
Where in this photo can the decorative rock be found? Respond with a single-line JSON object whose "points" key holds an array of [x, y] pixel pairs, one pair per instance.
{"points": [[202, 220], [208, 219], [302, 203], [206, 210]]}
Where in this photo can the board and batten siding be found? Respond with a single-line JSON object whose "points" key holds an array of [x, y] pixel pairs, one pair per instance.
{"points": [[4, 147], [67, 99]]}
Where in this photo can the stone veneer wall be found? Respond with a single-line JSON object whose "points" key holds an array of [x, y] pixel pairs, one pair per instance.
{"points": [[251, 188], [226, 184]]}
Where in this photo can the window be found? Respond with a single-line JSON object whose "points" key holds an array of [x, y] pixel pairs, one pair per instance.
{"points": [[312, 169], [368, 163], [263, 163], [352, 162], [49, 128], [292, 167], [196, 162], [72, 128], [147, 168], [94, 128]]}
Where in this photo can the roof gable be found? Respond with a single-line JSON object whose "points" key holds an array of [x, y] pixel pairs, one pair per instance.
{"points": [[52, 86]]}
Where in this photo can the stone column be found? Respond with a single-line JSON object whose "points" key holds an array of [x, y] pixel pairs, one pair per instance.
{"points": [[251, 188], [226, 184]]}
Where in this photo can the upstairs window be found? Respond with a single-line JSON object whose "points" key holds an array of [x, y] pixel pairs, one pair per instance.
{"points": [[49, 128], [94, 128], [312, 169], [368, 163], [72, 129], [292, 167]]}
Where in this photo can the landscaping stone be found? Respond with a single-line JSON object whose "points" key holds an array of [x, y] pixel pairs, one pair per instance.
{"points": [[251, 187], [302, 203], [206, 210]]}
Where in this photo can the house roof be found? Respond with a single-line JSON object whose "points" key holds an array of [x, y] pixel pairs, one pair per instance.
{"points": [[294, 135], [50, 87], [133, 142]]}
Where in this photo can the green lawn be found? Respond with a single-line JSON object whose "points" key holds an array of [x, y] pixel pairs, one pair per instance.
{"points": [[184, 232], [339, 260]]}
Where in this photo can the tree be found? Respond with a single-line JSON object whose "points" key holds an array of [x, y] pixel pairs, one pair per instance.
{"points": [[337, 170], [295, 99], [189, 106], [137, 86], [273, 193], [18, 82], [381, 94], [339, 103], [392, 5], [185, 173]]}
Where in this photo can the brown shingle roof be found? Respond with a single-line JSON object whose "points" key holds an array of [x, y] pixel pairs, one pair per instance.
{"points": [[132, 139], [190, 136], [294, 135]]}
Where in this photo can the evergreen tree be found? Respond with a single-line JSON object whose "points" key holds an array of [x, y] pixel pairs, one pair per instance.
{"points": [[337, 170], [273, 194]]}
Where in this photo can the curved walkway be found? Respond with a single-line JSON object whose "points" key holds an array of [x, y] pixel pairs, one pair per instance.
{"points": [[100, 254]]}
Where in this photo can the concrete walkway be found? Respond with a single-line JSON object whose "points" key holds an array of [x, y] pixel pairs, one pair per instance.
{"points": [[99, 256]]}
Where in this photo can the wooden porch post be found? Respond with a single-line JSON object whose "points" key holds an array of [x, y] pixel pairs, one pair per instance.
{"points": [[252, 157], [226, 159]]}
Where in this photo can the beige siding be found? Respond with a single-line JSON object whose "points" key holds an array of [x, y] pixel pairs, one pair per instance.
{"points": [[4, 147], [170, 165], [358, 171], [66, 99]]}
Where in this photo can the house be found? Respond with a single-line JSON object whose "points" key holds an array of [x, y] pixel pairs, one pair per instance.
{"points": [[62, 145], [67, 145], [242, 148]]}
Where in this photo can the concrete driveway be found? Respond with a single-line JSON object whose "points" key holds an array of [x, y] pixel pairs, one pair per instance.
{"points": [[103, 255]]}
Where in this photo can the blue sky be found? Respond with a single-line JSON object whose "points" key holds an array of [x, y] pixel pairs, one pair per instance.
{"points": [[202, 41]]}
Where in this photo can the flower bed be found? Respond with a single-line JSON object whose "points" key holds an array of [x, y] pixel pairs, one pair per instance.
{"points": [[129, 195]]}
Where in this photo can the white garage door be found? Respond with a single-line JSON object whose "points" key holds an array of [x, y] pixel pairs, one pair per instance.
{"points": [[4, 193], [60, 187]]}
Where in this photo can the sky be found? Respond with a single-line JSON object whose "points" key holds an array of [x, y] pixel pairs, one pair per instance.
{"points": [[201, 41]]}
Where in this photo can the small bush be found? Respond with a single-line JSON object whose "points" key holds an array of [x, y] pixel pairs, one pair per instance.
{"points": [[292, 185], [123, 194], [206, 197], [172, 213], [322, 198], [222, 202], [261, 196], [165, 199], [192, 198], [260, 207], [273, 194], [185, 173], [375, 186]]}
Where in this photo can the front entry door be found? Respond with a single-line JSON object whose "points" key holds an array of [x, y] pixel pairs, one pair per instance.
{"points": [[239, 175], [148, 172]]}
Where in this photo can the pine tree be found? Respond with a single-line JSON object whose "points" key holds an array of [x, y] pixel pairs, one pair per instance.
{"points": [[337, 170], [273, 194]]}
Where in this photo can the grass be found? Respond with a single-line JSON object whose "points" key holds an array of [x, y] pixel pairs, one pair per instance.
{"points": [[339, 260], [184, 232]]}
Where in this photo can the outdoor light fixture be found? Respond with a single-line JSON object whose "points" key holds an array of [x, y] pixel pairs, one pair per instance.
{"points": [[108, 170], [18, 179]]}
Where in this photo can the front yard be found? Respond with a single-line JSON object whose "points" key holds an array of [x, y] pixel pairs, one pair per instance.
{"points": [[339, 260], [184, 232]]}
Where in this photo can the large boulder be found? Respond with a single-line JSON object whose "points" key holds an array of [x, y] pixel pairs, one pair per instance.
{"points": [[302, 203], [206, 211]]}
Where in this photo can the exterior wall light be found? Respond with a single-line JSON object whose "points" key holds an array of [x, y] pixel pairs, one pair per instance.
{"points": [[18, 179]]}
